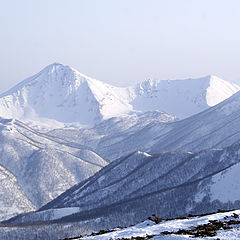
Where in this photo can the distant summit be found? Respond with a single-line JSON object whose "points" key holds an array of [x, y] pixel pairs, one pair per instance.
{"points": [[62, 93], [182, 98]]}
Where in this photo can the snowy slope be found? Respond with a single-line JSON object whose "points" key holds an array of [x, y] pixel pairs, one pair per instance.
{"points": [[13, 200], [168, 185], [118, 136], [63, 94], [51, 214], [216, 127], [149, 228], [42, 167]]}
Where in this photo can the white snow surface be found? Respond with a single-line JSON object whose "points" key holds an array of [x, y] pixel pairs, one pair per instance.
{"points": [[51, 214], [225, 185], [61, 93], [150, 228]]}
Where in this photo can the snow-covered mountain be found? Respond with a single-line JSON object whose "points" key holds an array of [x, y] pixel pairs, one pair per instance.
{"points": [[182, 98], [154, 132], [169, 185], [36, 168], [131, 119], [61, 93]]}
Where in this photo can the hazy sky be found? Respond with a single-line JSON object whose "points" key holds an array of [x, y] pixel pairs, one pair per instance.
{"points": [[120, 41]]}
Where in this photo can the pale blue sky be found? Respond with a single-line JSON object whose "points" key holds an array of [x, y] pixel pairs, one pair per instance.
{"points": [[120, 41]]}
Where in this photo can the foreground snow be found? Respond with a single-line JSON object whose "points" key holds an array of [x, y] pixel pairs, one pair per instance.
{"points": [[151, 228], [77, 230]]}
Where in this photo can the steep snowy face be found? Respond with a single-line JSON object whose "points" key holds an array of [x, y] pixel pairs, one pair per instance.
{"points": [[60, 92], [219, 90], [182, 98]]}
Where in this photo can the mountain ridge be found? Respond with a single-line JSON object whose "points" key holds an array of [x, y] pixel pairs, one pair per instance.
{"points": [[63, 94]]}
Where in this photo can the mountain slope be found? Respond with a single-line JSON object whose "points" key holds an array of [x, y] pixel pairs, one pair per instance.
{"points": [[168, 185], [118, 136], [43, 167], [13, 200], [215, 127]]}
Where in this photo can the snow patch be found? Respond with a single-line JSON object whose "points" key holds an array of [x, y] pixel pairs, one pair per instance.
{"points": [[225, 186]]}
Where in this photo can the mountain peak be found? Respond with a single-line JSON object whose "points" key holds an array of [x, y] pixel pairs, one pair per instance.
{"points": [[219, 90], [183, 97], [209, 76], [54, 67], [57, 68], [62, 93]]}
